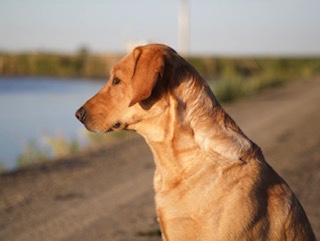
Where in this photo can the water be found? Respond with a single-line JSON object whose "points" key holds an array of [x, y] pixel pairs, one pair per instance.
{"points": [[35, 108]]}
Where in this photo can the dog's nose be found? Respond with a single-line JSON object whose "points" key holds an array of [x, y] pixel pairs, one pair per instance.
{"points": [[81, 114]]}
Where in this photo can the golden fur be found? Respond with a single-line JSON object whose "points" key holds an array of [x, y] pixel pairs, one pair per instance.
{"points": [[211, 182]]}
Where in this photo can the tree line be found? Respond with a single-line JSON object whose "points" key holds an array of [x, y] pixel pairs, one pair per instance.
{"points": [[85, 65]]}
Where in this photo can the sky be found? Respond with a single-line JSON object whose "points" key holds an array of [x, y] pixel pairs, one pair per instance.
{"points": [[217, 27]]}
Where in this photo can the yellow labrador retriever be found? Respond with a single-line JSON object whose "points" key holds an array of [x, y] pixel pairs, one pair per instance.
{"points": [[211, 181]]}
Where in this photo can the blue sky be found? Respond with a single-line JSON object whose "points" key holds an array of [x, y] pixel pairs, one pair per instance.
{"points": [[232, 27]]}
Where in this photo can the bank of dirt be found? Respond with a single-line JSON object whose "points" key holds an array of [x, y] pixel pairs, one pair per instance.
{"points": [[106, 194]]}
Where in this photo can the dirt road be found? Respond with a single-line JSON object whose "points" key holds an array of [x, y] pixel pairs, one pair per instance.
{"points": [[107, 194]]}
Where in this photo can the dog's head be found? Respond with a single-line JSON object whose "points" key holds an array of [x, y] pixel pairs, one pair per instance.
{"points": [[130, 91]]}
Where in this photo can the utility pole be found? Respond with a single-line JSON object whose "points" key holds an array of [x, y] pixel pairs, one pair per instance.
{"points": [[184, 27]]}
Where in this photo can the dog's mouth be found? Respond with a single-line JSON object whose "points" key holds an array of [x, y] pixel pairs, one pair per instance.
{"points": [[118, 126]]}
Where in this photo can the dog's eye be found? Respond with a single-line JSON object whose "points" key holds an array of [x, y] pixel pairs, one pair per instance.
{"points": [[115, 81]]}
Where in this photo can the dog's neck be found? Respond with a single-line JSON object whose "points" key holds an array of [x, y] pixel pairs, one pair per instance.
{"points": [[193, 130]]}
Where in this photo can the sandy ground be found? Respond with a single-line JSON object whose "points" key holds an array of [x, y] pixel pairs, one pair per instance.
{"points": [[106, 194]]}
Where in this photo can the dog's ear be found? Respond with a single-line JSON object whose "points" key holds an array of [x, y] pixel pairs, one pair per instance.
{"points": [[148, 68]]}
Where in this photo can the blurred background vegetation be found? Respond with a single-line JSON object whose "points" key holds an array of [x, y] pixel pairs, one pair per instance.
{"points": [[231, 77], [84, 64], [81, 64], [59, 147]]}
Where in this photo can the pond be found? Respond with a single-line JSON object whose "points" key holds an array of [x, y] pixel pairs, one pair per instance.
{"points": [[34, 109]]}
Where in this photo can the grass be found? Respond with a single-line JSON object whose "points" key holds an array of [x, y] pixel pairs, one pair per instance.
{"points": [[58, 147], [2, 168], [228, 90], [32, 153], [55, 147]]}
